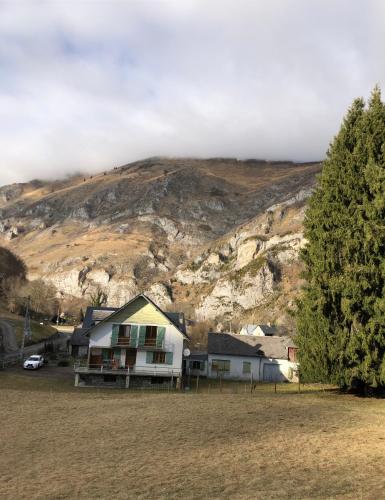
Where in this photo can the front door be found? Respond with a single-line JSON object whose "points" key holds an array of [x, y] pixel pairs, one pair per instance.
{"points": [[130, 358], [96, 358]]}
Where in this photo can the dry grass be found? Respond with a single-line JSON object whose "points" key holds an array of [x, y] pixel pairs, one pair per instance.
{"points": [[61, 442]]}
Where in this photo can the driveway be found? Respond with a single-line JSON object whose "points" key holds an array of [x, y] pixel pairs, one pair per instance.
{"points": [[46, 371]]}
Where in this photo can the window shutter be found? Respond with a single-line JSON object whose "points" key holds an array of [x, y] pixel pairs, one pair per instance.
{"points": [[142, 335], [134, 336], [202, 367], [149, 357], [169, 356], [160, 336], [106, 354], [115, 334]]}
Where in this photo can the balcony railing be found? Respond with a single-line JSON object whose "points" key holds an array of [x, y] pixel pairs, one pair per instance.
{"points": [[144, 344], [123, 342], [145, 370]]}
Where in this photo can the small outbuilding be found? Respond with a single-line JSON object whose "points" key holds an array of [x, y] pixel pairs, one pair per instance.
{"points": [[251, 357]]}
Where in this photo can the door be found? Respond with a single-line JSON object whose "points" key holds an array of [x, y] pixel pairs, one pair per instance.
{"points": [[130, 358], [272, 373], [96, 358]]}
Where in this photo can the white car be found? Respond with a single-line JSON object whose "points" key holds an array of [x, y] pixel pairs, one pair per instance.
{"points": [[33, 362]]}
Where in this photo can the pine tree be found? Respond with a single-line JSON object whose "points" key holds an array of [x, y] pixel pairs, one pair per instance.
{"points": [[341, 314]]}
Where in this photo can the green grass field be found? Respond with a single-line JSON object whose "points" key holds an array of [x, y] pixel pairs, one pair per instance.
{"points": [[60, 442]]}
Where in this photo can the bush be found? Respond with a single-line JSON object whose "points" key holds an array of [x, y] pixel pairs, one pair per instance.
{"points": [[63, 362]]}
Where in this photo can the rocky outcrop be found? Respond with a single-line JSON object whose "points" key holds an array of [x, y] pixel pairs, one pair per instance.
{"points": [[234, 293], [220, 235], [160, 294]]}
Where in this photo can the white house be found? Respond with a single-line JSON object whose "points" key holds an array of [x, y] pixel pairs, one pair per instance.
{"points": [[259, 330], [249, 357], [137, 345]]}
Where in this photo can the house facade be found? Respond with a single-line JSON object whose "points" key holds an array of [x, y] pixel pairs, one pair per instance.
{"points": [[256, 358], [136, 345]]}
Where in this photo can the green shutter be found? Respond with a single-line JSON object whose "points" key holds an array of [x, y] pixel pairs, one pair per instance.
{"points": [[134, 336], [160, 336], [106, 354], [115, 334], [142, 335], [169, 356], [202, 367], [149, 357]]}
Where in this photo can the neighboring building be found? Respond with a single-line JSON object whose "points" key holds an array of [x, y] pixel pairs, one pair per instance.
{"points": [[259, 330], [257, 358], [79, 339], [135, 345], [196, 364]]}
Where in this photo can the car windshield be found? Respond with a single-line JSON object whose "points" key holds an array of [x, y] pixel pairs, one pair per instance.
{"points": [[34, 358]]}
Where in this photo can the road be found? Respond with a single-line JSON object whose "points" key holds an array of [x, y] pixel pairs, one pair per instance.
{"points": [[11, 349]]}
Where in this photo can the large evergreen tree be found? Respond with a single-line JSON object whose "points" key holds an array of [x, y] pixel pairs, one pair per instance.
{"points": [[341, 315]]}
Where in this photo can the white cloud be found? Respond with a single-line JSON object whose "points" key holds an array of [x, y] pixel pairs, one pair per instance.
{"points": [[91, 85]]}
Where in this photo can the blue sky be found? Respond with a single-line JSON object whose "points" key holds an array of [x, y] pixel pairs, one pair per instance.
{"points": [[90, 85]]}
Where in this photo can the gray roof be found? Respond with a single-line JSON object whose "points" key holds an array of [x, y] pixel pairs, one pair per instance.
{"points": [[248, 345], [79, 337], [95, 314], [92, 317], [198, 356], [178, 319]]}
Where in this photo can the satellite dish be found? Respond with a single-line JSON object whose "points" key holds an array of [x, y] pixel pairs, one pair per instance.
{"points": [[186, 352]]}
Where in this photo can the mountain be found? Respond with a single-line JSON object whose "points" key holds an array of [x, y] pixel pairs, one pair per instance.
{"points": [[220, 236]]}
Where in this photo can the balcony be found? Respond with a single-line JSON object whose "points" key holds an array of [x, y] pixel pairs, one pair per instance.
{"points": [[152, 345], [110, 368], [123, 342], [143, 344]]}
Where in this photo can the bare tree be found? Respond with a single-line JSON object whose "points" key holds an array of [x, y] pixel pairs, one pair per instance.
{"points": [[98, 298]]}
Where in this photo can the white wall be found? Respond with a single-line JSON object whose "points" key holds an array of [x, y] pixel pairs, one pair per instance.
{"points": [[257, 332], [236, 367]]}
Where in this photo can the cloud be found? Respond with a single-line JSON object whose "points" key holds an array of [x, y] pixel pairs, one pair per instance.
{"points": [[90, 85]]}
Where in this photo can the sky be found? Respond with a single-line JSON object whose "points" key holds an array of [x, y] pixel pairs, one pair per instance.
{"points": [[89, 85]]}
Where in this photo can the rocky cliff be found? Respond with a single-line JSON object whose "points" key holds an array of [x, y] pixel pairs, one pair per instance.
{"points": [[219, 235]]}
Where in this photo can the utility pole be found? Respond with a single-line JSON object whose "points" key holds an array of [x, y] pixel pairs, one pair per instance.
{"points": [[26, 330]]}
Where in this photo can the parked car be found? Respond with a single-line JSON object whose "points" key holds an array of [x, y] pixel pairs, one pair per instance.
{"points": [[33, 362]]}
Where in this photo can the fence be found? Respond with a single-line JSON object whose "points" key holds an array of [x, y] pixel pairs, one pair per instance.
{"points": [[9, 360]]}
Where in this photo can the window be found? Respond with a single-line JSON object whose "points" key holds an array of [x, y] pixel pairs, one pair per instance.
{"points": [[246, 367], [197, 365], [151, 333], [220, 365], [124, 330], [159, 357], [292, 354]]}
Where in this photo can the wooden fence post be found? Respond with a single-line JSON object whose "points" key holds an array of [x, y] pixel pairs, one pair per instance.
{"points": [[197, 383]]}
